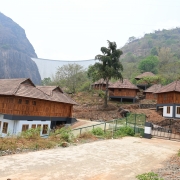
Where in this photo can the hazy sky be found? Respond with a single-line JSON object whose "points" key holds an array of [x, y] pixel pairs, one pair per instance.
{"points": [[76, 29]]}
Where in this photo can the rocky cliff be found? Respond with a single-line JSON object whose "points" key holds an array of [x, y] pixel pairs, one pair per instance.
{"points": [[16, 52]]}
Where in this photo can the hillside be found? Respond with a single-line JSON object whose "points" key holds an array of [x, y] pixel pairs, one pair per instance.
{"points": [[144, 46], [16, 52], [90, 108], [156, 52]]}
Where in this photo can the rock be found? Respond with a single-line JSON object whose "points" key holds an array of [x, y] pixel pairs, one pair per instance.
{"points": [[16, 52]]}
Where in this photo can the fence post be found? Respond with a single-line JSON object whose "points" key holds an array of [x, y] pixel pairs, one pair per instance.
{"points": [[147, 130], [105, 127], [135, 124], [80, 130], [116, 125], [126, 120]]}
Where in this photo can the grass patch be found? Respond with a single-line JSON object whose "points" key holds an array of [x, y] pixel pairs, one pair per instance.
{"points": [[148, 176]]}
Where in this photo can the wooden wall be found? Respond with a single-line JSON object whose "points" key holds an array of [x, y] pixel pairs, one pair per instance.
{"points": [[100, 87], [169, 97], [33, 107], [123, 92], [151, 96]]}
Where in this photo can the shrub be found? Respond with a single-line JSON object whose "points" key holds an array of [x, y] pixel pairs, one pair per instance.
{"points": [[31, 133], [148, 176], [101, 93], [124, 131], [86, 135], [98, 131], [178, 153], [64, 133]]}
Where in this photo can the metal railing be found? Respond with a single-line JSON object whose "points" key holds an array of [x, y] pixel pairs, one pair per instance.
{"points": [[136, 121]]}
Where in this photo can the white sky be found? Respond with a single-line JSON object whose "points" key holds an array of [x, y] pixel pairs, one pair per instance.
{"points": [[77, 29]]}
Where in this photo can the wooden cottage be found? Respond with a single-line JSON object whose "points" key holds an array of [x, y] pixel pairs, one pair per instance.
{"points": [[24, 106], [100, 85], [150, 93], [143, 85], [168, 97], [123, 90]]}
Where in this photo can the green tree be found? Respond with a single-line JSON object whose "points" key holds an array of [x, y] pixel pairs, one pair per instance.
{"points": [[109, 65], [149, 64], [46, 81], [154, 51], [152, 80], [170, 71], [70, 76]]}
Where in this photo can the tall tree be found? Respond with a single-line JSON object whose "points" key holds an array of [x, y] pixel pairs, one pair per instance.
{"points": [[70, 76], [109, 65], [149, 64]]}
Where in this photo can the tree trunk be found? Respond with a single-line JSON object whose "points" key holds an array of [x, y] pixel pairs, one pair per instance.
{"points": [[106, 94]]}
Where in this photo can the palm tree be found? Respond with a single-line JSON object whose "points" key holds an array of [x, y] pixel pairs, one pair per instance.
{"points": [[109, 65]]}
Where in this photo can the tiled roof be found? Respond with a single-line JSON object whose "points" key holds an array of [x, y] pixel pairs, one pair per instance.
{"points": [[48, 89], [174, 86], [9, 86], [145, 74], [126, 84], [25, 88], [154, 88]]}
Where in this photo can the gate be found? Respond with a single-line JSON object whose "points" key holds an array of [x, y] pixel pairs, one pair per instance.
{"points": [[167, 129]]}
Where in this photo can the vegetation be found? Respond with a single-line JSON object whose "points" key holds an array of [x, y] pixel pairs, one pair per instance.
{"points": [[124, 131], [149, 64], [30, 140], [157, 52], [109, 66], [148, 176], [70, 76], [162, 46]]}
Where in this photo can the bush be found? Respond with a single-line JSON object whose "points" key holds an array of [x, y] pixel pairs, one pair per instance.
{"points": [[148, 176], [86, 135], [64, 133], [124, 131], [98, 131], [101, 93], [31, 133]]}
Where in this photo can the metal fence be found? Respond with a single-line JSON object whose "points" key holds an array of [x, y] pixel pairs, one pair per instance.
{"points": [[135, 121]]}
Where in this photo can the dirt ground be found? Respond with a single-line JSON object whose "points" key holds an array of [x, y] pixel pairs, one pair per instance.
{"points": [[90, 108], [116, 159]]}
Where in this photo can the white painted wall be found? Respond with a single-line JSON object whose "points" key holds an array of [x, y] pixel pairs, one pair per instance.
{"points": [[30, 123], [177, 115], [10, 126], [165, 111], [15, 126]]}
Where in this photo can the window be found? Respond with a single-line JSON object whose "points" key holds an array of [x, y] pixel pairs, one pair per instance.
{"points": [[178, 110], [27, 101], [25, 127], [19, 101], [5, 127], [33, 102], [45, 129], [33, 126], [39, 126], [155, 95], [168, 109]]}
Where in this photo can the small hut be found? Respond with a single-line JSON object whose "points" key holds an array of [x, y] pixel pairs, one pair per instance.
{"points": [[123, 90], [168, 97], [150, 93], [100, 85]]}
